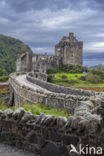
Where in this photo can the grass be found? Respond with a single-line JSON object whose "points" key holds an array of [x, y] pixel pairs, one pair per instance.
{"points": [[72, 80], [35, 109], [38, 109], [69, 76]]}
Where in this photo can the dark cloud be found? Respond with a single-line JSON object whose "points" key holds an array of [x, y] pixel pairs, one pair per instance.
{"points": [[91, 59], [24, 5]]}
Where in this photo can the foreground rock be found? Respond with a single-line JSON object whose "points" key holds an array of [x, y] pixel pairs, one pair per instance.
{"points": [[47, 135], [6, 150]]}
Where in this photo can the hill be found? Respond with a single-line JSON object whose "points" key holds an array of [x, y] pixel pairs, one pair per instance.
{"points": [[9, 50]]}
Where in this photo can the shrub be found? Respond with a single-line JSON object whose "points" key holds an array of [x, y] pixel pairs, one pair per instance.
{"points": [[3, 72], [52, 70], [50, 78], [93, 78], [83, 78], [71, 68], [64, 77]]}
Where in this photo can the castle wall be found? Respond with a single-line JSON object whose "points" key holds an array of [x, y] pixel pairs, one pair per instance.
{"points": [[44, 62], [24, 63]]}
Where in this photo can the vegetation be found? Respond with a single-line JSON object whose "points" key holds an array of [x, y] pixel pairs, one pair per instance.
{"points": [[38, 109], [34, 109], [3, 75], [9, 50], [88, 78], [4, 91], [96, 75], [68, 69]]}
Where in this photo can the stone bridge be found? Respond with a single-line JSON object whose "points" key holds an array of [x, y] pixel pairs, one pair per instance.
{"points": [[48, 135], [34, 88]]}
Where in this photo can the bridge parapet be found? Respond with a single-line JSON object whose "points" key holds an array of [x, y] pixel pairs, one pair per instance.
{"points": [[38, 75], [40, 79]]}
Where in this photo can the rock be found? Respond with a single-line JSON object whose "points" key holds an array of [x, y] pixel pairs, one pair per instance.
{"points": [[8, 113], [90, 116], [40, 118], [3, 115], [61, 121], [92, 126], [26, 117], [49, 120], [17, 114], [82, 125], [75, 122], [102, 104], [95, 100], [69, 122], [1, 112]]}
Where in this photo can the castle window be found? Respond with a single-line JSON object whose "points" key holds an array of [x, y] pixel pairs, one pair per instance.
{"points": [[58, 49], [72, 53]]}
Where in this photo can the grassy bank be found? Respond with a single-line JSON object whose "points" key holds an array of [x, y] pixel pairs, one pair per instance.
{"points": [[73, 80]]}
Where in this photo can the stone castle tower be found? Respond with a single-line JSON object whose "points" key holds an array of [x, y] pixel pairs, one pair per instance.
{"points": [[70, 50]]}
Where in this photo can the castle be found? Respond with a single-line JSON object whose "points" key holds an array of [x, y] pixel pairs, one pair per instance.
{"points": [[68, 51]]}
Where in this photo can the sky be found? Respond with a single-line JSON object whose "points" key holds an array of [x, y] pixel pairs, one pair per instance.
{"points": [[42, 23]]}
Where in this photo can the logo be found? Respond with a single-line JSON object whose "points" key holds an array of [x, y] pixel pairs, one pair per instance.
{"points": [[86, 150]]}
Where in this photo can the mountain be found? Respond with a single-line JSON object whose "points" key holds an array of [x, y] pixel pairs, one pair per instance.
{"points": [[9, 50]]}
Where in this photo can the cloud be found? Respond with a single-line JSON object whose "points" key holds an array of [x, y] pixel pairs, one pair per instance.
{"points": [[94, 46], [91, 59], [41, 24]]}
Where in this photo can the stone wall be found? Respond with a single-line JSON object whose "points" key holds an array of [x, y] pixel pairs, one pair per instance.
{"points": [[44, 62], [24, 62], [39, 76], [57, 88], [49, 135], [22, 94]]}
